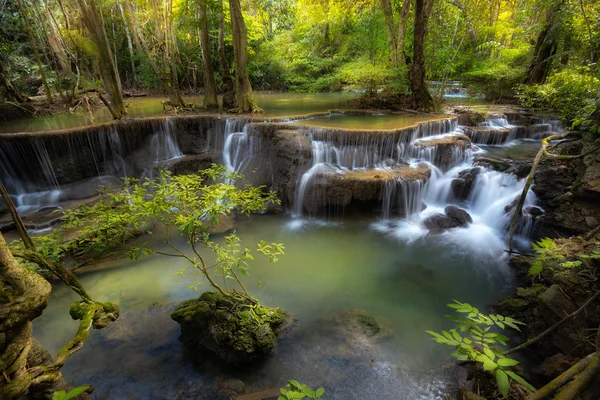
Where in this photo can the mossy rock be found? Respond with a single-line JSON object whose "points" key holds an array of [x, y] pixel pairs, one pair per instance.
{"points": [[236, 331], [532, 291]]}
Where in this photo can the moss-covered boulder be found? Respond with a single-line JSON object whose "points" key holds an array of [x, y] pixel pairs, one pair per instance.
{"points": [[234, 329]]}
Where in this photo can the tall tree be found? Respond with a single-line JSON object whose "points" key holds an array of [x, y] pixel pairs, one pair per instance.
{"points": [[94, 24], [210, 87], [421, 99], [36, 53], [546, 45], [243, 90], [227, 82]]}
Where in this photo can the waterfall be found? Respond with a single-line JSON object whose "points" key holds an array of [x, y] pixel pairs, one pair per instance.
{"points": [[38, 170]]}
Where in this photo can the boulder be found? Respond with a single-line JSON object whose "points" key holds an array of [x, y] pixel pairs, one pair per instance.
{"points": [[459, 215], [454, 217], [238, 332], [463, 184]]}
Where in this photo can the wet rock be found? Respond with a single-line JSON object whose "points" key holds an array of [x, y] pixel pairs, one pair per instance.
{"points": [[189, 164], [553, 366], [533, 211], [361, 189], [493, 163], [226, 224], [462, 186], [454, 217], [228, 329], [440, 222], [459, 215], [450, 150]]}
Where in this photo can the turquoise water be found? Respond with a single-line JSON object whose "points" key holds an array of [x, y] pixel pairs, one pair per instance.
{"points": [[329, 267]]}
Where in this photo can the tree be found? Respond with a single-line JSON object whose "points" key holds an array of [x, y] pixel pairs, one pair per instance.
{"points": [[421, 99], [210, 87], [26, 366], [227, 82], [94, 23], [546, 45], [243, 89], [35, 51]]}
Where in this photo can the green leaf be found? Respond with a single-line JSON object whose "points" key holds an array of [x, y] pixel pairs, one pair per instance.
{"points": [[507, 362], [488, 352], [502, 381], [320, 392], [520, 380], [489, 365]]}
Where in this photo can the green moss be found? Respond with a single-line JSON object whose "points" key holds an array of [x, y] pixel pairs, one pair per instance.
{"points": [[242, 331], [368, 324], [532, 291]]}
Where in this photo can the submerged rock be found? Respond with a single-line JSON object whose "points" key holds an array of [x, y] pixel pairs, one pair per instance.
{"points": [[237, 332]]}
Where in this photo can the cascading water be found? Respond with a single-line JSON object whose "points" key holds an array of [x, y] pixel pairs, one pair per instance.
{"points": [[41, 171]]}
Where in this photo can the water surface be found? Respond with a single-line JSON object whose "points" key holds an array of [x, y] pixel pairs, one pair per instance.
{"points": [[329, 267]]}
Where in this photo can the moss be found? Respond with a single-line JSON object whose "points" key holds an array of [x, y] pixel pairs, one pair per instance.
{"points": [[241, 332], [369, 325], [532, 291], [511, 306]]}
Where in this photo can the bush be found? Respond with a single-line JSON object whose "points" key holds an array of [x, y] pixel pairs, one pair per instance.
{"points": [[495, 81], [569, 92]]}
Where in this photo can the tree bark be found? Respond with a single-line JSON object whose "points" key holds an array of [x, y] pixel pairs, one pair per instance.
{"points": [[545, 47], [388, 14], [210, 87], [402, 25], [108, 71], [228, 92], [35, 50], [421, 99], [129, 43], [243, 90]]}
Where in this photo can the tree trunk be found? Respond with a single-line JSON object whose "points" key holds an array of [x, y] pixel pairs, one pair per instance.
{"points": [[388, 13], [35, 50], [108, 71], [243, 89], [210, 87], [228, 92], [421, 99], [404, 13], [129, 43], [545, 47]]}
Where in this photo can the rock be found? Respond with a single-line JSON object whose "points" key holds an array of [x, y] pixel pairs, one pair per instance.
{"points": [[534, 211], [454, 218], [440, 222], [226, 224], [553, 366], [462, 186], [361, 189], [226, 328], [449, 150], [493, 163], [591, 222], [459, 215]]}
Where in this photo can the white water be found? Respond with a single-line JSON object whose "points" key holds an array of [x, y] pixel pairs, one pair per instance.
{"points": [[36, 184]]}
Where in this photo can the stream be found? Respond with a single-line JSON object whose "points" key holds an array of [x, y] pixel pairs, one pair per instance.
{"points": [[383, 262]]}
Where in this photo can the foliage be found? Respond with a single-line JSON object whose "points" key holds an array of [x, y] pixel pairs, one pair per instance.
{"points": [[190, 205], [62, 395], [569, 92], [495, 80], [474, 340], [366, 75], [551, 253], [296, 390]]}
